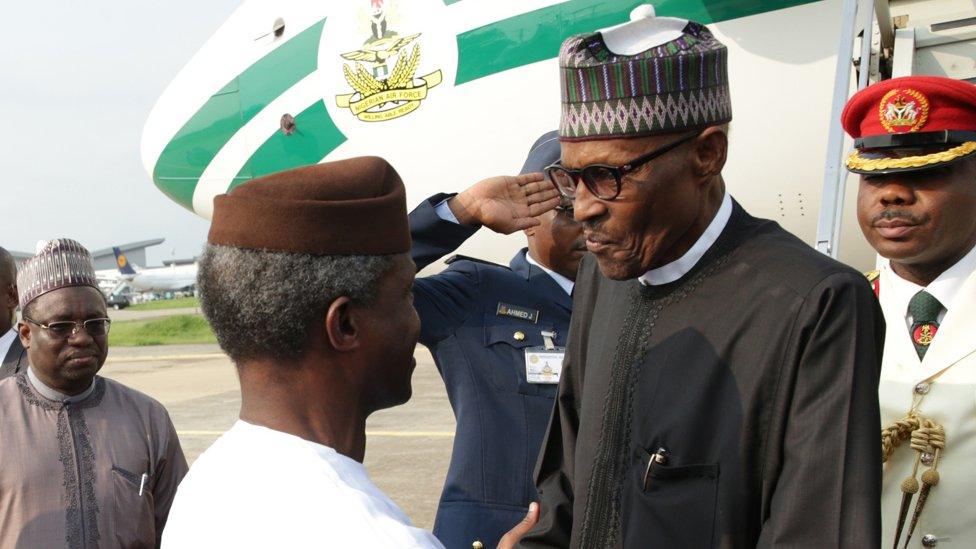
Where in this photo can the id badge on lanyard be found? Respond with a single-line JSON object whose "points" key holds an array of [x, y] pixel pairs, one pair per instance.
{"points": [[544, 364]]}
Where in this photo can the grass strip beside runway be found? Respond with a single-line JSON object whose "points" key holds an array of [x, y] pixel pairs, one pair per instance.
{"points": [[178, 303], [170, 330]]}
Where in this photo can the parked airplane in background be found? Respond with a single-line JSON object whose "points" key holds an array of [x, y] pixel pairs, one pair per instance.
{"points": [[156, 279]]}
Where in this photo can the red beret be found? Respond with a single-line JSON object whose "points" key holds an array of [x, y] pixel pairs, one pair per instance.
{"points": [[347, 207], [911, 124]]}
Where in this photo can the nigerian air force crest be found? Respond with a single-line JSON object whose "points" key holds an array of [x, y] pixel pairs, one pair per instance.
{"points": [[383, 71]]}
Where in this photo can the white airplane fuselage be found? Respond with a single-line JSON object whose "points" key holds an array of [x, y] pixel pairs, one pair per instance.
{"points": [[482, 84]]}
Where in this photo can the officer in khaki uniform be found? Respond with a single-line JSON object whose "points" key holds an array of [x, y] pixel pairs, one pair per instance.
{"points": [[915, 142]]}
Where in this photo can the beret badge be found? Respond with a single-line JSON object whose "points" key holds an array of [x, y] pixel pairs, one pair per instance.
{"points": [[903, 110]]}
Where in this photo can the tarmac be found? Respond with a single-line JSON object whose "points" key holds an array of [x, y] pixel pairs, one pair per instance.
{"points": [[408, 448]]}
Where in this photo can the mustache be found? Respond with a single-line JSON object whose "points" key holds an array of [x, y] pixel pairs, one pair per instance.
{"points": [[888, 215]]}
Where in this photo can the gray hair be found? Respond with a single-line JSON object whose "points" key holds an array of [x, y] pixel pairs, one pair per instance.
{"points": [[260, 304]]}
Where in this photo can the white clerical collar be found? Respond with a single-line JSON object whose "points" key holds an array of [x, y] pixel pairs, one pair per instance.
{"points": [[564, 283], [54, 394], [945, 287], [6, 340], [680, 267]]}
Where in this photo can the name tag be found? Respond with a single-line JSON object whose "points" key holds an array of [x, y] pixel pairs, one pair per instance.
{"points": [[544, 365], [521, 313]]}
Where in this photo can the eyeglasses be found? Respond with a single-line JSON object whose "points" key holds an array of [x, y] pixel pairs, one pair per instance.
{"points": [[66, 328], [602, 180]]}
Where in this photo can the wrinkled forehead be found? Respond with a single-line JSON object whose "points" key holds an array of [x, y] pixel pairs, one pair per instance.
{"points": [[71, 303], [577, 154]]}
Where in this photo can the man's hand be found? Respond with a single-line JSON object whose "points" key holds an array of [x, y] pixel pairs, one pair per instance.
{"points": [[505, 204], [515, 534]]}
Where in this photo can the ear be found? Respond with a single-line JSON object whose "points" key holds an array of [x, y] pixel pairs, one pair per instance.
{"points": [[342, 325], [24, 331], [710, 152], [530, 232]]}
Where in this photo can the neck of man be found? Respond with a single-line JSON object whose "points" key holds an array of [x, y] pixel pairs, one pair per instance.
{"points": [[545, 260], [294, 398], [711, 202], [924, 274]]}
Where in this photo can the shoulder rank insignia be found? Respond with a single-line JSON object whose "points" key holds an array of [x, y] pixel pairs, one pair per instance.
{"points": [[874, 277], [459, 257]]}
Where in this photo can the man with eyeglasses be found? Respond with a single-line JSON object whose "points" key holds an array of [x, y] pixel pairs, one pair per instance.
{"points": [[13, 356], [497, 335], [720, 378], [84, 461]]}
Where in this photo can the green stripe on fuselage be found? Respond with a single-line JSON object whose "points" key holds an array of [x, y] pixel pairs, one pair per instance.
{"points": [[316, 135], [537, 35], [189, 153]]}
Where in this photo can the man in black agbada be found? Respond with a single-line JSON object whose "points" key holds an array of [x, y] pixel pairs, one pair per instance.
{"points": [[720, 381]]}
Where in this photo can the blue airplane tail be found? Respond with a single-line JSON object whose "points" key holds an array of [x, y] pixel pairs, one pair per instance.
{"points": [[123, 263]]}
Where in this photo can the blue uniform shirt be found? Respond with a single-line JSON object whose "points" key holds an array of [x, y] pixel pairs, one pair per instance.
{"points": [[501, 417]]}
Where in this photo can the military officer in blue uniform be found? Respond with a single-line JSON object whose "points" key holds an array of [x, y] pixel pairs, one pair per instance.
{"points": [[496, 335]]}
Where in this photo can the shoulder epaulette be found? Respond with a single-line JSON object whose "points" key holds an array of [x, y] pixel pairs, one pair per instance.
{"points": [[875, 280], [459, 257]]}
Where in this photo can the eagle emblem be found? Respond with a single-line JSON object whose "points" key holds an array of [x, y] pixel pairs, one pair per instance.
{"points": [[379, 92]]}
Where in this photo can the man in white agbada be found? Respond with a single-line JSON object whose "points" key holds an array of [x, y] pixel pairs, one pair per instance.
{"points": [[312, 300]]}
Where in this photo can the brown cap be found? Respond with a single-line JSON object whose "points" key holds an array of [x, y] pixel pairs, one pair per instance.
{"points": [[356, 206]]}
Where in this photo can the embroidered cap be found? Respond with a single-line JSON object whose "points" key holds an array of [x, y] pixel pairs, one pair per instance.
{"points": [[651, 75], [910, 124], [59, 263]]}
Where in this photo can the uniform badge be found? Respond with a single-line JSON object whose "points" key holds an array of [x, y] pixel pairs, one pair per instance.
{"points": [[514, 311], [874, 278], [903, 111], [923, 333]]}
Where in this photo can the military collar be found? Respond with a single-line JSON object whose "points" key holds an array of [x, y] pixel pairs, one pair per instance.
{"points": [[564, 283], [684, 264], [945, 287], [527, 268]]}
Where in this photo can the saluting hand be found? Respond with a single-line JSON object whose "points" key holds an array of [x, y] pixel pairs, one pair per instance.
{"points": [[515, 534], [505, 204]]}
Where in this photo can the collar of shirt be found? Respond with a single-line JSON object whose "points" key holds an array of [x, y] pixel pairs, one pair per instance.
{"points": [[6, 341], [945, 287], [53, 394], [680, 267], [564, 283]]}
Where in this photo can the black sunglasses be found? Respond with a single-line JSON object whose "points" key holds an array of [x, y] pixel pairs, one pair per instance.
{"points": [[602, 180]]}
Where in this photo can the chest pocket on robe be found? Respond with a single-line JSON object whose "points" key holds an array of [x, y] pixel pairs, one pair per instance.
{"points": [[681, 500], [134, 526], [505, 357]]}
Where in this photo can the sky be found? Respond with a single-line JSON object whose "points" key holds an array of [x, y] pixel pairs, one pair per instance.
{"points": [[77, 82]]}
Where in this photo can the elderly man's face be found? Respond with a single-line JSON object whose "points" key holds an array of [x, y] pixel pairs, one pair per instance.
{"points": [[921, 218], [391, 334], [67, 363], [648, 223]]}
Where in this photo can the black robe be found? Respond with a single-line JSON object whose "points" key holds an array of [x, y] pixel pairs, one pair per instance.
{"points": [[757, 372]]}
